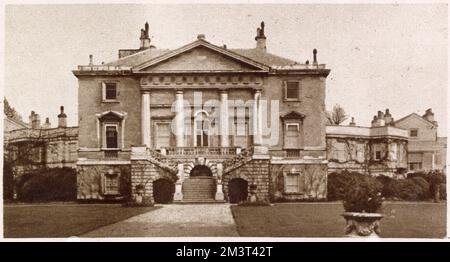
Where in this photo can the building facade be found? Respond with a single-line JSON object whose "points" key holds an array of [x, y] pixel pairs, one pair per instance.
{"points": [[377, 150], [30, 146], [213, 123], [426, 151]]}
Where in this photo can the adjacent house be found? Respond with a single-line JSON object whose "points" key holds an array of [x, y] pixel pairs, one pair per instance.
{"points": [[426, 151]]}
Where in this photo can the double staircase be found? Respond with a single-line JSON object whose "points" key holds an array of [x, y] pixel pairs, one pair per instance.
{"points": [[199, 189]]}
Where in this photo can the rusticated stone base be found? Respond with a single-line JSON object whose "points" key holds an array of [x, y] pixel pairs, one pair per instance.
{"points": [[312, 182], [256, 173], [90, 185], [143, 174]]}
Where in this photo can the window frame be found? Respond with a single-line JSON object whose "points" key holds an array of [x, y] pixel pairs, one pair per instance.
{"points": [[169, 136], [286, 83], [416, 130], [106, 191], [104, 143], [298, 189], [104, 88]]}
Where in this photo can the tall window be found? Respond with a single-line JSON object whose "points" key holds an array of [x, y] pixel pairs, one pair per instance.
{"points": [[163, 134], [292, 91], [291, 136], [202, 126], [111, 137]]}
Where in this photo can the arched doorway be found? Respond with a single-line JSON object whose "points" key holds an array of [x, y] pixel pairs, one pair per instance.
{"points": [[199, 171], [237, 190], [163, 190]]}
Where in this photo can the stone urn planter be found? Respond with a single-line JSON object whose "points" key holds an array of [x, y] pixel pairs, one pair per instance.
{"points": [[140, 190], [362, 204], [252, 194], [362, 224]]}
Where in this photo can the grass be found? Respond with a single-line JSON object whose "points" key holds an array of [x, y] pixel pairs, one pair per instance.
{"points": [[56, 220], [402, 220]]}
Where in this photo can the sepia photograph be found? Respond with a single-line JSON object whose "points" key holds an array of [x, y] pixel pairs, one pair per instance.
{"points": [[279, 120]]}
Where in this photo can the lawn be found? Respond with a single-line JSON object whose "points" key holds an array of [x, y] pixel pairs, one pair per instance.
{"points": [[402, 220], [58, 220]]}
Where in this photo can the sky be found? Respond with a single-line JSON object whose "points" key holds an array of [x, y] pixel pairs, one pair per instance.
{"points": [[381, 56]]}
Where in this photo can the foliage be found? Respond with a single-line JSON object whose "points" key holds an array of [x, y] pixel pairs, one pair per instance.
{"points": [[8, 181], [48, 184], [9, 111], [337, 115], [363, 194], [338, 183]]}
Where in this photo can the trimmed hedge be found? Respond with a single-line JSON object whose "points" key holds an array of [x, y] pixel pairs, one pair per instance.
{"points": [[416, 187], [48, 184]]}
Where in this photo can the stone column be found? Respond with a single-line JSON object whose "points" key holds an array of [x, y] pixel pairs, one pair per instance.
{"points": [[224, 138], [257, 122], [179, 119], [145, 119]]}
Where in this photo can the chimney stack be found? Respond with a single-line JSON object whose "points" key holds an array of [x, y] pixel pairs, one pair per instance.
{"points": [[429, 116], [388, 118], [47, 124], [261, 39], [145, 39], [91, 60], [62, 118], [352, 123], [380, 118], [35, 120], [375, 122]]}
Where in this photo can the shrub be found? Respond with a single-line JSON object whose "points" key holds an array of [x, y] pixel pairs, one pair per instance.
{"points": [[423, 187], [48, 184], [363, 194], [443, 191], [338, 182]]}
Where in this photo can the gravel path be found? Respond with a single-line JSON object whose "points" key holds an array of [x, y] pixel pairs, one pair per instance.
{"points": [[175, 220]]}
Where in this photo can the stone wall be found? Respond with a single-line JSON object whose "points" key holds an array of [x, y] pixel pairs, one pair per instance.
{"points": [[312, 181], [255, 172], [90, 186], [144, 173]]}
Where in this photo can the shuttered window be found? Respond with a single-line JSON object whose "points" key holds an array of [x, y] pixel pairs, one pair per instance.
{"points": [[292, 91]]}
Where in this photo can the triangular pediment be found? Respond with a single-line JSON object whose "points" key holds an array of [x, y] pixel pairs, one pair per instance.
{"points": [[293, 115], [200, 56]]}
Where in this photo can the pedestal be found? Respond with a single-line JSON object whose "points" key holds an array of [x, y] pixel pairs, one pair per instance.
{"points": [[219, 193], [178, 196]]}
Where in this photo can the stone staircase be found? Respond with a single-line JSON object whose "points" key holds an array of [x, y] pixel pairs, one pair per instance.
{"points": [[199, 189]]}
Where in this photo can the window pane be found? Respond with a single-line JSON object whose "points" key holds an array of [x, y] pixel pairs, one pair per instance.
{"points": [[111, 137], [111, 91], [292, 90], [292, 183]]}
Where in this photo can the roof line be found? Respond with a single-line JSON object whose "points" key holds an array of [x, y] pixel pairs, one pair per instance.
{"points": [[197, 43], [416, 115]]}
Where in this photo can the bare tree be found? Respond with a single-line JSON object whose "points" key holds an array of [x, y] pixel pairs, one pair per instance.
{"points": [[337, 115]]}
